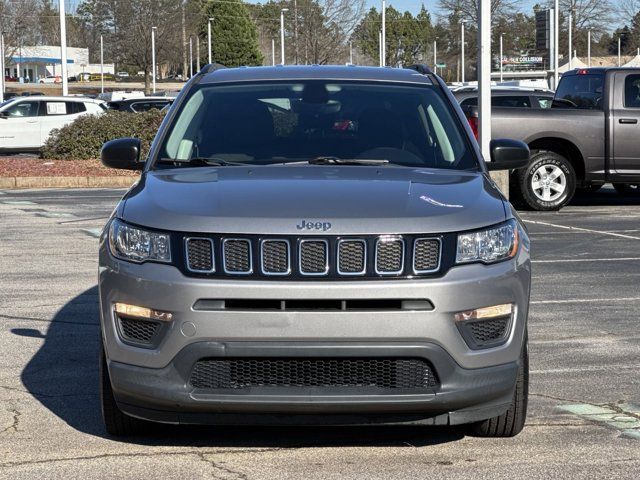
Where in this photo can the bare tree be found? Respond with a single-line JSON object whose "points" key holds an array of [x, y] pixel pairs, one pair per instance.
{"points": [[627, 9], [468, 9], [592, 15]]}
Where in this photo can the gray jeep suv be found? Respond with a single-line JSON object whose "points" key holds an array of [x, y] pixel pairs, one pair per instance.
{"points": [[314, 245]]}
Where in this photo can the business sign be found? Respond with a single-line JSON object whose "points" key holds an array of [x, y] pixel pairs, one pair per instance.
{"points": [[543, 30]]}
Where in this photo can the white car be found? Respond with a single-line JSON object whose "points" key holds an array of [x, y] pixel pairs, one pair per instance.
{"points": [[26, 122], [51, 79]]}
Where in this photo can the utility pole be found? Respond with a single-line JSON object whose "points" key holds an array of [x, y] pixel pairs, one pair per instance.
{"points": [[273, 52], [619, 49], [383, 39], [184, 38], [63, 50], [380, 46], [295, 30], [462, 23], [435, 56], [350, 52], [501, 61], [209, 38], [101, 65], [589, 48], [282, 12], [153, 57]]}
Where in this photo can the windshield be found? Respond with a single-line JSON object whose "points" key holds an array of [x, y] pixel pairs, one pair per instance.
{"points": [[270, 123], [580, 91]]}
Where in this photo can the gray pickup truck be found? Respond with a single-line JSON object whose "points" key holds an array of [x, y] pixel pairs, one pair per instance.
{"points": [[590, 136]]}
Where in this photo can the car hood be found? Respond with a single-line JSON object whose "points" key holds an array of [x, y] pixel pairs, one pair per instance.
{"points": [[338, 200]]}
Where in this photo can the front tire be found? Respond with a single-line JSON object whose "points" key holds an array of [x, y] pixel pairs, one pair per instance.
{"points": [[510, 423], [116, 422], [548, 182]]}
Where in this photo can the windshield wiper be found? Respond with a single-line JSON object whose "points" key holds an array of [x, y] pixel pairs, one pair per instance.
{"points": [[347, 161], [202, 162]]}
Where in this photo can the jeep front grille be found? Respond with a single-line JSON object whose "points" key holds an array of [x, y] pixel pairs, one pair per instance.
{"points": [[288, 257], [356, 374]]}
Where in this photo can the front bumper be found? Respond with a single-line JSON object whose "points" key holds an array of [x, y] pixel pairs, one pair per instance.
{"points": [[462, 396], [153, 383]]}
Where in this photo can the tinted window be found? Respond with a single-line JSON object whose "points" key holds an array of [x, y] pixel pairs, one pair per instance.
{"points": [[501, 101], [75, 107], [580, 91], [286, 122], [145, 106], [632, 91], [511, 101], [23, 109]]}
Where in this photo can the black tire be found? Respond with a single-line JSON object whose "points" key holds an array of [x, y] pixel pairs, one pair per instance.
{"points": [[510, 423], [115, 421], [523, 181], [627, 188]]}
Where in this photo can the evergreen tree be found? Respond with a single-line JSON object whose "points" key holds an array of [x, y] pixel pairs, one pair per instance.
{"points": [[235, 39]]}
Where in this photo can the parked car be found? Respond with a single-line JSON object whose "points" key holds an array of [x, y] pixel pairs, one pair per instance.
{"points": [[310, 241], [588, 137], [8, 78], [51, 79], [26, 122], [122, 74], [521, 97], [136, 105]]}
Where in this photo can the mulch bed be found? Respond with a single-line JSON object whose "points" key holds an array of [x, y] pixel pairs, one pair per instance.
{"points": [[31, 166]]}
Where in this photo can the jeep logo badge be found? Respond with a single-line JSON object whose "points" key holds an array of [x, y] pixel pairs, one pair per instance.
{"points": [[314, 226]]}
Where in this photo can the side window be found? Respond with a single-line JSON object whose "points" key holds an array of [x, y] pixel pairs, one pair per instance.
{"points": [[545, 102], [55, 108], [23, 109], [511, 101], [632, 91], [75, 107], [146, 106]]}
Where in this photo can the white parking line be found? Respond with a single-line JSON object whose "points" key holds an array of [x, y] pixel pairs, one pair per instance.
{"points": [[585, 300], [18, 202], [587, 230], [580, 260], [93, 232]]}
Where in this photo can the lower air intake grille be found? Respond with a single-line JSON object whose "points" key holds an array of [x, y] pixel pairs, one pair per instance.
{"points": [[138, 331], [488, 331], [367, 373]]}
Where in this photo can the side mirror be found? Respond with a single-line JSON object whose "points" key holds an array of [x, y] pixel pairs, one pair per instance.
{"points": [[122, 153], [508, 155]]}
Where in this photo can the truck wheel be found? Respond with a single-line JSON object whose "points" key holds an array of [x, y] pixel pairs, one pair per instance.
{"points": [[511, 422], [627, 188], [548, 183], [115, 421]]}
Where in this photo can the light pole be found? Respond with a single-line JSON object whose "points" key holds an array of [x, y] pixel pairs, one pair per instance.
{"points": [[209, 37], [484, 77], [462, 23], [197, 53], [570, 37], [380, 46], [350, 52], [153, 57], [282, 12], [501, 60], [190, 56], [1, 67], [435, 56], [63, 50], [383, 38], [273, 52], [589, 48], [556, 44], [101, 65], [619, 49]]}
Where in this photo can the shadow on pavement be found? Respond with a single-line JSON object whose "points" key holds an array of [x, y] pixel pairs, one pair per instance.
{"points": [[605, 197], [63, 376]]}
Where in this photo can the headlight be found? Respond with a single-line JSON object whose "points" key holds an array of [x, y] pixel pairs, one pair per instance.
{"points": [[488, 246], [137, 245]]}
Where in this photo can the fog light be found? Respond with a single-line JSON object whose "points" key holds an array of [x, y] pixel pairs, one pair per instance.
{"points": [[504, 310], [133, 311]]}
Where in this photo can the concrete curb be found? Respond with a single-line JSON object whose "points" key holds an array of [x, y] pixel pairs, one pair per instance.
{"points": [[66, 182]]}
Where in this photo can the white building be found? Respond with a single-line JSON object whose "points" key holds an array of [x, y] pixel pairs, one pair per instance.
{"points": [[38, 62]]}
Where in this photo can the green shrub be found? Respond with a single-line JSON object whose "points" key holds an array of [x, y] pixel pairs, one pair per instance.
{"points": [[84, 138]]}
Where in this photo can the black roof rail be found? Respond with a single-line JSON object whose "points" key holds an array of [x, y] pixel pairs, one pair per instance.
{"points": [[211, 67], [420, 68]]}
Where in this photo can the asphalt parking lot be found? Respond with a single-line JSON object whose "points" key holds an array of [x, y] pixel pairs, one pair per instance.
{"points": [[584, 418]]}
